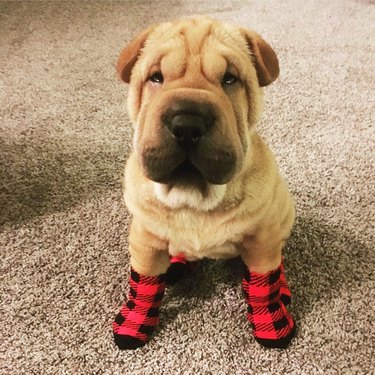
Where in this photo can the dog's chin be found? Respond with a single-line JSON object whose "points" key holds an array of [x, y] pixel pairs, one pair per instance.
{"points": [[180, 196], [186, 187]]}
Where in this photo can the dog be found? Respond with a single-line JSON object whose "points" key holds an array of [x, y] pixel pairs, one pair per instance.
{"points": [[200, 181]]}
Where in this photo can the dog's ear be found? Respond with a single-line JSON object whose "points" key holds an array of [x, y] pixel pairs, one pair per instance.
{"points": [[129, 55], [265, 59]]}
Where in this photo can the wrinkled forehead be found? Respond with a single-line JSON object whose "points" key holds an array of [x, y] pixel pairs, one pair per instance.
{"points": [[210, 45]]}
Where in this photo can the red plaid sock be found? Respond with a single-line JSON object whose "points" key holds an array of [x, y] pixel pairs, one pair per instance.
{"points": [[140, 314], [178, 269], [267, 296]]}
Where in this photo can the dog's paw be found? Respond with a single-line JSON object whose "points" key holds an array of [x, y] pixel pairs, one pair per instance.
{"points": [[179, 268], [176, 272], [281, 343], [125, 342]]}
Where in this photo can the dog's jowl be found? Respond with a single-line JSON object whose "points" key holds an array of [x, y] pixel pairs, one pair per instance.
{"points": [[200, 182]]}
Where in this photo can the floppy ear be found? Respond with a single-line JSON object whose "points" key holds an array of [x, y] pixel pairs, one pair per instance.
{"points": [[129, 55], [265, 59]]}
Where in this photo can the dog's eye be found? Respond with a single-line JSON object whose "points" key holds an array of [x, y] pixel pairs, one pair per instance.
{"points": [[156, 77], [229, 79]]}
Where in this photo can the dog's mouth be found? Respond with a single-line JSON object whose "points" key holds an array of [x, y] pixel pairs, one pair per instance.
{"points": [[196, 169], [186, 174], [192, 171]]}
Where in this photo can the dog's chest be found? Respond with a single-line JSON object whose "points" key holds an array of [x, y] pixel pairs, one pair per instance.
{"points": [[200, 237]]}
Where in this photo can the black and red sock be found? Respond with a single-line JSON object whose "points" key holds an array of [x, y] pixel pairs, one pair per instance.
{"points": [[267, 297], [138, 317], [178, 269]]}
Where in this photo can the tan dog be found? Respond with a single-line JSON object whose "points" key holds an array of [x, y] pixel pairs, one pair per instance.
{"points": [[200, 182]]}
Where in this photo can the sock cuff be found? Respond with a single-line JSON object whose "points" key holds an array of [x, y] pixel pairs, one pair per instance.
{"points": [[147, 290], [265, 289], [179, 258], [148, 280], [269, 278]]}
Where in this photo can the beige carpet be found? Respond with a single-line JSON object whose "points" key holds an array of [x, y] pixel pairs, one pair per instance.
{"points": [[63, 227]]}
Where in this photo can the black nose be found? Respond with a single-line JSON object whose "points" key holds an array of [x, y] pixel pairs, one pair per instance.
{"points": [[187, 129], [188, 121]]}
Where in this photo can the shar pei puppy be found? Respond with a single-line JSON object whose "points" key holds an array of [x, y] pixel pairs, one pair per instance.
{"points": [[200, 182]]}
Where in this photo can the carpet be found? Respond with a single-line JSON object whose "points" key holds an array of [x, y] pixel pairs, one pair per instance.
{"points": [[64, 138]]}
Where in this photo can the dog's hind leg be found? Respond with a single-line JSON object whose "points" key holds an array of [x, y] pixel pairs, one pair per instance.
{"points": [[180, 267]]}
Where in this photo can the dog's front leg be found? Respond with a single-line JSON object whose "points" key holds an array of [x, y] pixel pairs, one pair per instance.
{"points": [[148, 253], [149, 261], [266, 291]]}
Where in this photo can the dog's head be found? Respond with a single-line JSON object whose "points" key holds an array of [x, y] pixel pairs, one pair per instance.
{"points": [[194, 96]]}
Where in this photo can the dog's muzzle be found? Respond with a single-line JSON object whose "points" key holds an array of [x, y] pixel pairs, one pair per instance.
{"points": [[190, 152]]}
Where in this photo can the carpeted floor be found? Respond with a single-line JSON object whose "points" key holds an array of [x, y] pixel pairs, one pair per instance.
{"points": [[64, 137]]}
